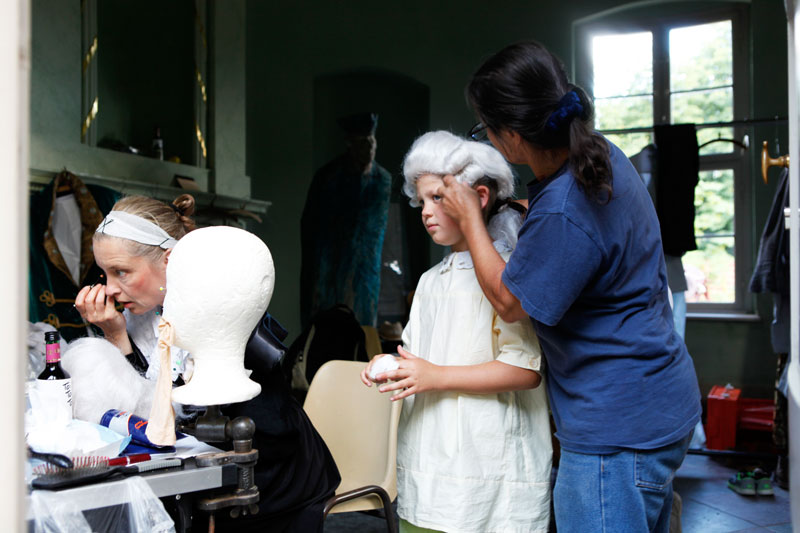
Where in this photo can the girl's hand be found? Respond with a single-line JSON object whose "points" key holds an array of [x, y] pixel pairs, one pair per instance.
{"points": [[460, 202], [365, 379], [415, 375], [97, 308]]}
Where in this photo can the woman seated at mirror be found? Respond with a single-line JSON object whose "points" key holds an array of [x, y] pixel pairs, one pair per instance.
{"points": [[295, 473]]}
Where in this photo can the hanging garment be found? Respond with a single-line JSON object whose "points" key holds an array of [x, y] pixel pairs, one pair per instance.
{"points": [[771, 273], [678, 164], [342, 231], [646, 164], [54, 277]]}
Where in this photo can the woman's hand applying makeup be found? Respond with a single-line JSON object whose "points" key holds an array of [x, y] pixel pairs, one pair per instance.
{"points": [[99, 309]]}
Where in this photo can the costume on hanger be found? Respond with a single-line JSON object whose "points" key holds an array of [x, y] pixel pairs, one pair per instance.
{"points": [[678, 173], [646, 163], [342, 231], [771, 273], [56, 276]]}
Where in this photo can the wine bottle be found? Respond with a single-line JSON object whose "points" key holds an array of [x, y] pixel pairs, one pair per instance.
{"points": [[54, 381]]}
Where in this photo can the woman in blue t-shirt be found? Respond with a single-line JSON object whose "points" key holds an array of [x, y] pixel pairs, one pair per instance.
{"points": [[589, 272]]}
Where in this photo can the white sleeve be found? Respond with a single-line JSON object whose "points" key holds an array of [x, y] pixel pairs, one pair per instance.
{"points": [[517, 344]]}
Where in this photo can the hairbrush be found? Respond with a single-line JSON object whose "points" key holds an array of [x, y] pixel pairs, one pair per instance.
{"points": [[60, 461], [91, 461], [81, 476]]}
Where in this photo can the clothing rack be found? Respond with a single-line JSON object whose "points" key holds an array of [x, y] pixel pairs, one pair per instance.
{"points": [[743, 145], [741, 122], [767, 161]]}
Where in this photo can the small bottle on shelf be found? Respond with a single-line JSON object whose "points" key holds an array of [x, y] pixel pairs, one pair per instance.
{"points": [[158, 145]]}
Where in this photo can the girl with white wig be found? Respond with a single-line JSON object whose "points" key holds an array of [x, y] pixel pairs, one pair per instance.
{"points": [[472, 163], [473, 450]]}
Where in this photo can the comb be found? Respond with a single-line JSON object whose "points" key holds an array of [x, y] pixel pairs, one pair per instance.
{"points": [[81, 476]]}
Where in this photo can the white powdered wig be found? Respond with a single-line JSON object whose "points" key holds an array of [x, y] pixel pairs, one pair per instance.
{"points": [[103, 379], [442, 153]]}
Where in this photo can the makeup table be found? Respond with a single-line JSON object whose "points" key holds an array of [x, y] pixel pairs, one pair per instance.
{"points": [[176, 487]]}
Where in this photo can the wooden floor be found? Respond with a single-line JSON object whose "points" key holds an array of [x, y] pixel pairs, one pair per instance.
{"points": [[709, 506]]}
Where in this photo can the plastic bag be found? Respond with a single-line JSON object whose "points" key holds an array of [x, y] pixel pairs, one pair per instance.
{"points": [[142, 511], [53, 514]]}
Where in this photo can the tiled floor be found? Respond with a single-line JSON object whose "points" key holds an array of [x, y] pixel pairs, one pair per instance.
{"points": [[709, 506]]}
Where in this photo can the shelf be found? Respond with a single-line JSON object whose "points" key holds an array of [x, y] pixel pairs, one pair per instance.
{"points": [[39, 178]]}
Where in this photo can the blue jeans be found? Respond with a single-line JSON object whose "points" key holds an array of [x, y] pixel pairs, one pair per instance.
{"points": [[627, 491]]}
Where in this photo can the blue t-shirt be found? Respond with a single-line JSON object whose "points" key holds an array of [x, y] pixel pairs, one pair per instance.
{"points": [[593, 280]]}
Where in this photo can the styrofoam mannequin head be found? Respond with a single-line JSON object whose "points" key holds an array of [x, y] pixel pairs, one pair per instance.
{"points": [[219, 283]]}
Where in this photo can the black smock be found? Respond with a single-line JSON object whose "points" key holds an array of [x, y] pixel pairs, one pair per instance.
{"points": [[295, 472]]}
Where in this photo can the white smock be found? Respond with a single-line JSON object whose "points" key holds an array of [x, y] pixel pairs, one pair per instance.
{"points": [[143, 331], [472, 462]]}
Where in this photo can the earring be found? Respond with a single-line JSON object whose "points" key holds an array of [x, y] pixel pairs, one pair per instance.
{"points": [[161, 288]]}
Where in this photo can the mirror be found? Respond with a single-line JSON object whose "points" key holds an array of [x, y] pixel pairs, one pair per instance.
{"points": [[144, 78]]}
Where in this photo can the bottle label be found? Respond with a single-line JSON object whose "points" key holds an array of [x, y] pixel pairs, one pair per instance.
{"points": [[56, 394], [52, 353]]}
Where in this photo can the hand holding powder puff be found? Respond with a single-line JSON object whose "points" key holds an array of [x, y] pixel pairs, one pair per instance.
{"points": [[385, 364]]}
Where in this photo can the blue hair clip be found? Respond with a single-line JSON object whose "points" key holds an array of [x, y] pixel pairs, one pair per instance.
{"points": [[568, 107]]}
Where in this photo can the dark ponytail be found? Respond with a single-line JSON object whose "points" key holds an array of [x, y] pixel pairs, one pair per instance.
{"points": [[524, 88]]}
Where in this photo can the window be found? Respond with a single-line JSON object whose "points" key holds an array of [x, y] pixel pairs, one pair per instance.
{"points": [[655, 69]]}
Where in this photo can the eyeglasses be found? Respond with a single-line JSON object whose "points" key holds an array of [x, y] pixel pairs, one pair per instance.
{"points": [[478, 132]]}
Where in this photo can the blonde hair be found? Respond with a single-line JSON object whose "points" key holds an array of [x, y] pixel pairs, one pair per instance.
{"points": [[174, 218]]}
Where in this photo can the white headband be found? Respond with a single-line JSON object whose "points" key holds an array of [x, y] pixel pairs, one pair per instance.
{"points": [[135, 228]]}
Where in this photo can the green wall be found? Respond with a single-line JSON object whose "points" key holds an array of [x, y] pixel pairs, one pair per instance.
{"points": [[289, 45], [439, 44]]}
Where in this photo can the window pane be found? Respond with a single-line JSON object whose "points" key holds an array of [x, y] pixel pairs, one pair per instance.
{"points": [[701, 56], [713, 202], [711, 105], [705, 135], [622, 113], [711, 271], [712, 267], [631, 143], [622, 64]]}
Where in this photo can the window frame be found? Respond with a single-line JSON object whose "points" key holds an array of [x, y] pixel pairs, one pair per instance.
{"points": [[643, 16]]}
